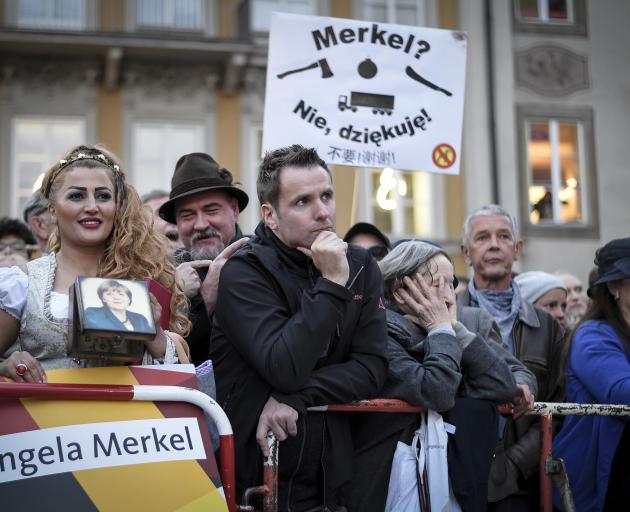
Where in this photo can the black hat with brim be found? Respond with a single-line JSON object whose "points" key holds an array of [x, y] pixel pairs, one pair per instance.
{"points": [[196, 173], [613, 262]]}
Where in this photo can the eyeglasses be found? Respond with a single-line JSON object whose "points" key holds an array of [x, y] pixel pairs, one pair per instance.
{"points": [[16, 246], [378, 252]]}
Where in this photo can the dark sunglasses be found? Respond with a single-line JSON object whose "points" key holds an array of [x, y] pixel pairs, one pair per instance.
{"points": [[378, 252]]}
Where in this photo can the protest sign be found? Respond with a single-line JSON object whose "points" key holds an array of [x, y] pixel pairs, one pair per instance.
{"points": [[365, 93]]}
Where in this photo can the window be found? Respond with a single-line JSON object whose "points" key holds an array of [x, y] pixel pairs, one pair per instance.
{"points": [[399, 203], [408, 12], [559, 179], [260, 11], [180, 14], [545, 11], [156, 147], [550, 16], [56, 14], [37, 142]]}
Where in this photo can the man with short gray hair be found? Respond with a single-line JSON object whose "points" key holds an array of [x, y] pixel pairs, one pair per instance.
{"points": [[491, 245]]}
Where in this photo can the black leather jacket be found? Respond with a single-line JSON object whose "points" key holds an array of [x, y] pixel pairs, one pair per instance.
{"points": [[281, 329]]}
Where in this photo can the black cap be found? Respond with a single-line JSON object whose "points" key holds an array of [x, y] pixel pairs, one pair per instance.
{"points": [[613, 262], [367, 228]]}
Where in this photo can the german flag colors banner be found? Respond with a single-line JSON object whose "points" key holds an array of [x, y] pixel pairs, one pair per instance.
{"points": [[85, 455]]}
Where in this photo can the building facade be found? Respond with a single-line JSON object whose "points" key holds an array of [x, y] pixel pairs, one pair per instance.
{"points": [[154, 79]]}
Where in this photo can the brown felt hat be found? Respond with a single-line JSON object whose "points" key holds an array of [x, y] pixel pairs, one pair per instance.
{"points": [[199, 172]]}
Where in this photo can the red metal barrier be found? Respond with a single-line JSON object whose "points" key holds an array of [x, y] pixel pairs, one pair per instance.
{"points": [[269, 489], [546, 410], [546, 445], [142, 393]]}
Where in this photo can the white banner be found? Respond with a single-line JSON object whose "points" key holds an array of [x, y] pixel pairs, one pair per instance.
{"points": [[366, 94], [98, 445]]}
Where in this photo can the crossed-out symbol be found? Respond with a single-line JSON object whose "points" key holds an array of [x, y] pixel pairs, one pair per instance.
{"points": [[443, 155]]}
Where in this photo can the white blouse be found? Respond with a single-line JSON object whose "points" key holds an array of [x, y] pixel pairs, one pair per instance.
{"points": [[14, 292]]}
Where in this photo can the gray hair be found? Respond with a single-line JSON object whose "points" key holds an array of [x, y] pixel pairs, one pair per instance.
{"points": [[154, 194], [35, 205], [487, 210], [407, 259]]}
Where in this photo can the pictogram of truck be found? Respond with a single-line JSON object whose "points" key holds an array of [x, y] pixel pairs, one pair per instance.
{"points": [[379, 103]]}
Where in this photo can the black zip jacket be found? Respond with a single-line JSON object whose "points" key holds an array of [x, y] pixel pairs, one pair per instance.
{"points": [[281, 329], [199, 337]]}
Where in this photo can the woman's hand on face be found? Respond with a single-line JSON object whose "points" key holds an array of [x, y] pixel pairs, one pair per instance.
{"points": [[23, 367], [427, 304], [451, 302]]}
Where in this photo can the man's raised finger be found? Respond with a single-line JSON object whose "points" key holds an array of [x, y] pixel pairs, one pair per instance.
{"points": [[199, 263], [231, 249]]}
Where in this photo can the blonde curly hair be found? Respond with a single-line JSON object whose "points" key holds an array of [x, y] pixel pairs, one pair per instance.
{"points": [[133, 250]]}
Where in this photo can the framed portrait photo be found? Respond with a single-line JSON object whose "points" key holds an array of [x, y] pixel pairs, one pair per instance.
{"points": [[109, 319]]}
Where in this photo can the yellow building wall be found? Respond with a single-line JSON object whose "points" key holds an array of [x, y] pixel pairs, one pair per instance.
{"points": [[344, 176], [448, 12], [341, 9], [111, 15], [109, 124], [228, 18], [228, 133]]}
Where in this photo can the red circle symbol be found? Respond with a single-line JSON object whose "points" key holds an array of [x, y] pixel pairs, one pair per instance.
{"points": [[444, 155]]}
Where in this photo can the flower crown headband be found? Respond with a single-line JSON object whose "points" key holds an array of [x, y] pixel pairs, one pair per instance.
{"points": [[85, 153]]}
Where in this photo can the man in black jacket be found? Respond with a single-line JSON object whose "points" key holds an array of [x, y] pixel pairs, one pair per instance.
{"points": [[205, 204], [490, 245], [299, 322]]}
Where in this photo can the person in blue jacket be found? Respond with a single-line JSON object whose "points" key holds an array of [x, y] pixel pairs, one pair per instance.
{"points": [[114, 313], [596, 449]]}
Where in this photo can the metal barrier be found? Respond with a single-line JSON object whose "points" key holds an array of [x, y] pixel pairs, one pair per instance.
{"points": [[143, 393], [554, 468], [549, 467], [269, 489]]}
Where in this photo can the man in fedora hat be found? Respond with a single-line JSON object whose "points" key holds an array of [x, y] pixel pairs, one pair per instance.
{"points": [[204, 203]]}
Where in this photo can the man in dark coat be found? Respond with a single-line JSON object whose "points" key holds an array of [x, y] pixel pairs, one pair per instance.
{"points": [[204, 204], [299, 322], [490, 245]]}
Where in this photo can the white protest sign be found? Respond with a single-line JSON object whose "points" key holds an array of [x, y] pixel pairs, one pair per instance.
{"points": [[366, 94], [56, 450]]}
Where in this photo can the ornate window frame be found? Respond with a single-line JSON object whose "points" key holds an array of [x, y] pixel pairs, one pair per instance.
{"points": [[584, 117]]}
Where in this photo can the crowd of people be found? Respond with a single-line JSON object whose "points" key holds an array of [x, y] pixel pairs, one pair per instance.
{"points": [[293, 316]]}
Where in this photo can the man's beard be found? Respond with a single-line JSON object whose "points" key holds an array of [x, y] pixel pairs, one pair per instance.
{"points": [[205, 252]]}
